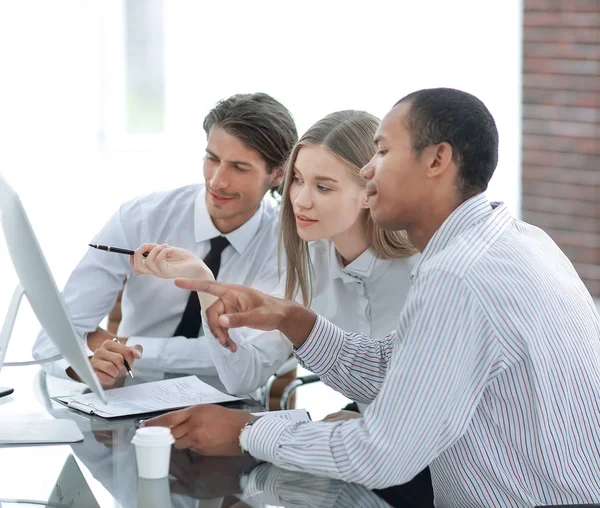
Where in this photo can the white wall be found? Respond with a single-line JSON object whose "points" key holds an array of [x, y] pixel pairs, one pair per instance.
{"points": [[59, 59]]}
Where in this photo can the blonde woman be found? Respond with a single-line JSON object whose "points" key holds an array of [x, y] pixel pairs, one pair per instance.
{"points": [[338, 262]]}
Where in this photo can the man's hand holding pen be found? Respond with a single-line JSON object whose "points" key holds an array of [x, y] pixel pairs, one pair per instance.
{"points": [[99, 336], [109, 362]]}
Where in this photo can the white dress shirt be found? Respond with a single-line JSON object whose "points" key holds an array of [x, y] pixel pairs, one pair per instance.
{"points": [[366, 296], [152, 307], [492, 378]]}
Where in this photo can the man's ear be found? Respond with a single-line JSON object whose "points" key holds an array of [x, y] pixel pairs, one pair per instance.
{"points": [[276, 177], [439, 159]]}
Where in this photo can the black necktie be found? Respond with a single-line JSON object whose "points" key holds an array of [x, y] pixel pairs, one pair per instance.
{"points": [[191, 320]]}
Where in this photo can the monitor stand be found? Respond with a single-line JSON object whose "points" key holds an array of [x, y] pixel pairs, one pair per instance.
{"points": [[7, 328], [38, 430]]}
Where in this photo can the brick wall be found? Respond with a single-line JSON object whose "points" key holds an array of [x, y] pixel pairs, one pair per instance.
{"points": [[561, 127]]}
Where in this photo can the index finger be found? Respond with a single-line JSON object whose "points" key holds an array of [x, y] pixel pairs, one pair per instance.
{"points": [[123, 350], [221, 334], [217, 289], [169, 420]]}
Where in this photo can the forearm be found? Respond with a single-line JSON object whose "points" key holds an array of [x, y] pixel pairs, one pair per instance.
{"points": [[332, 354], [258, 356], [297, 322], [353, 451], [201, 272], [434, 382], [44, 348], [59, 368]]}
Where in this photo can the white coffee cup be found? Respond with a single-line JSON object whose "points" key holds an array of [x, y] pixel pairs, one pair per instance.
{"points": [[153, 451]]}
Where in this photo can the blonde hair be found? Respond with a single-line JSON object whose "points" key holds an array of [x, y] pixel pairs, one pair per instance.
{"points": [[349, 136]]}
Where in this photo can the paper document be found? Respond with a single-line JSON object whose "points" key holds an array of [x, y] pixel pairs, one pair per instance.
{"points": [[148, 398], [295, 415]]}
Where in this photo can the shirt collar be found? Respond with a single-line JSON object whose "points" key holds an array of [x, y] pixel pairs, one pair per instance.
{"points": [[362, 267], [473, 211], [204, 229]]}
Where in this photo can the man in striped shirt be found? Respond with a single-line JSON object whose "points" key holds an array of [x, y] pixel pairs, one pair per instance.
{"points": [[493, 375]]}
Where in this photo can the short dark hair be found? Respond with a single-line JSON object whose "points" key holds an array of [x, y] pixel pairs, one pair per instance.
{"points": [[438, 115], [260, 122]]}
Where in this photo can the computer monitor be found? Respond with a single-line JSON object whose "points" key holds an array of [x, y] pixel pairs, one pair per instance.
{"points": [[37, 283]]}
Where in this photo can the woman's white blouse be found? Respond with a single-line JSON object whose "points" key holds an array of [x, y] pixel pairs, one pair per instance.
{"points": [[366, 297]]}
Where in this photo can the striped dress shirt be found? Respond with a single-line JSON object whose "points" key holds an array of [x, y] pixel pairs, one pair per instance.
{"points": [[492, 377], [268, 485]]}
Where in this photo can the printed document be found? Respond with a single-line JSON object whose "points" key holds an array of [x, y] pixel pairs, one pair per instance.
{"points": [[151, 397]]}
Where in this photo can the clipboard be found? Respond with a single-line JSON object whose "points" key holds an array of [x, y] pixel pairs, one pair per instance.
{"points": [[153, 397]]}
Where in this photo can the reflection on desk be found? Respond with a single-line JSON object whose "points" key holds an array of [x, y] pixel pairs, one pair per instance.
{"points": [[71, 489], [194, 480], [106, 459], [200, 477], [271, 485]]}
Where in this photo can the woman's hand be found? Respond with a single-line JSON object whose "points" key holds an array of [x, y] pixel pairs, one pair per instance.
{"points": [[169, 263]]}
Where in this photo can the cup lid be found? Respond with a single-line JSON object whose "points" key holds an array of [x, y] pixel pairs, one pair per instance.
{"points": [[153, 436]]}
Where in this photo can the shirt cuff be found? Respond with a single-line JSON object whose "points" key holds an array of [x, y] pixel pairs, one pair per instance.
{"points": [[152, 354], [262, 440], [320, 350], [86, 350], [57, 369]]}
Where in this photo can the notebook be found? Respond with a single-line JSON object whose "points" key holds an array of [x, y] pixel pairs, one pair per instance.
{"points": [[145, 398]]}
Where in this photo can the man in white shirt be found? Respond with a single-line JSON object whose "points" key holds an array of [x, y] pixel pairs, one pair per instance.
{"points": [[492, 377], [249, 139]]}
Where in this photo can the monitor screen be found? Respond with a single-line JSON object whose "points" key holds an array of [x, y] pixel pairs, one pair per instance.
{"points": [[39, 285]]}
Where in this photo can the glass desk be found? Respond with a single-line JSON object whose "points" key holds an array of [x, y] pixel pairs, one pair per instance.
{"points": [[101, 471]]}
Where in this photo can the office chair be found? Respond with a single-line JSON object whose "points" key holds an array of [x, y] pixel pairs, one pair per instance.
{"points": [[269, 395], [286, 399], [288, 392]]}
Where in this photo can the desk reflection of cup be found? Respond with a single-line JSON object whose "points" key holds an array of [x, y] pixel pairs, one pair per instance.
{"points": [[153, 451], [153, 493]]}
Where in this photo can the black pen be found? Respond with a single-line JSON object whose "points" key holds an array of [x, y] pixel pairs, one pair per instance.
{"points": [[118, 250], [125, 362]]}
